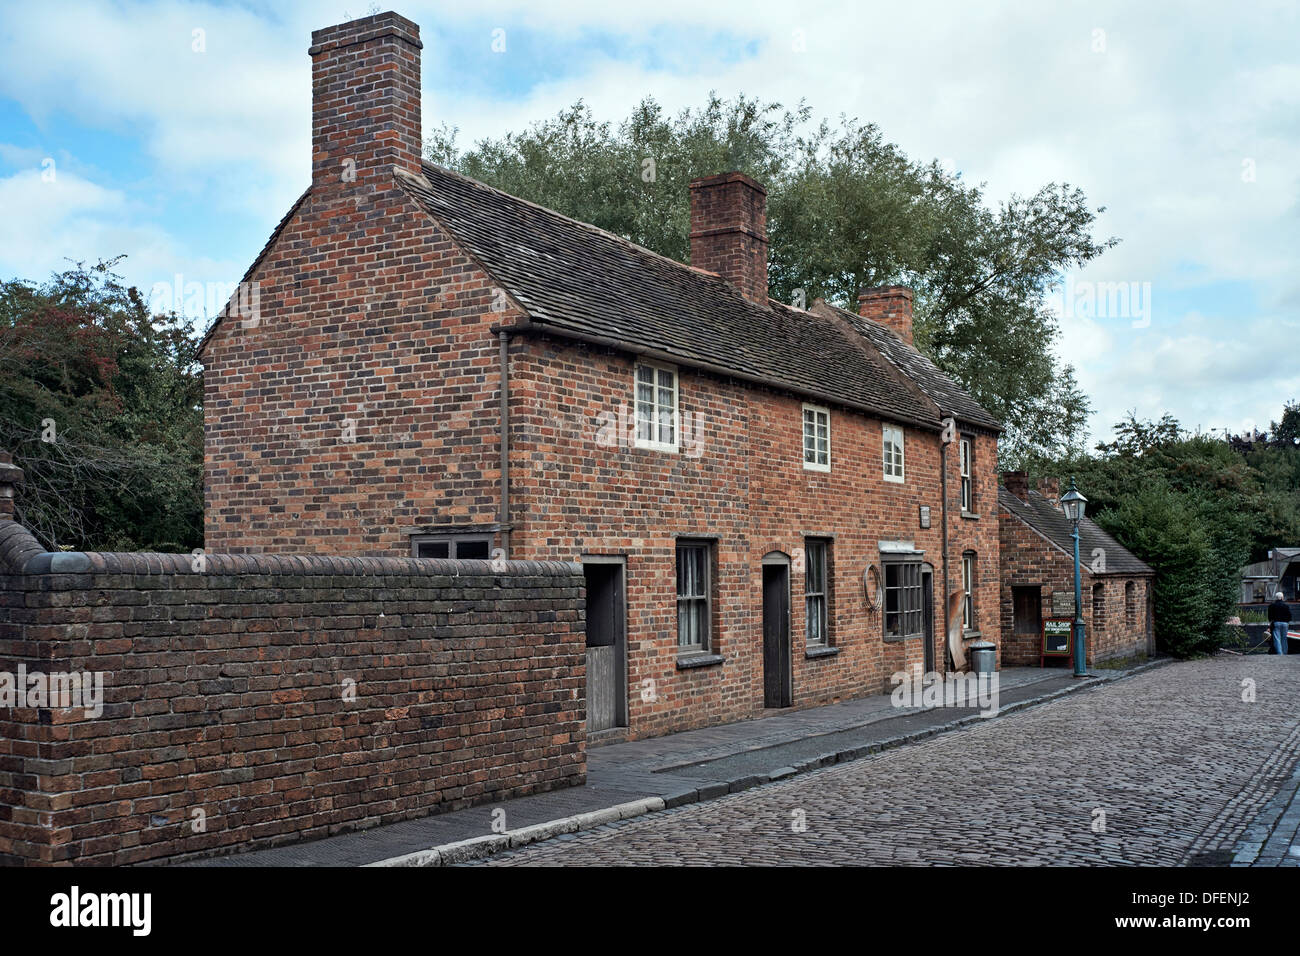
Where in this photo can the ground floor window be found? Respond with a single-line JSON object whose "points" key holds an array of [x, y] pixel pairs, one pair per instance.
{"points": [[817, 591], [464, 546], [694, 576], [968, 591], [904, 615]]}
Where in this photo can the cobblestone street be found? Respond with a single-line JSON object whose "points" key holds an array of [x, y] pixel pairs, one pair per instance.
{"points": [[1167, 767]]}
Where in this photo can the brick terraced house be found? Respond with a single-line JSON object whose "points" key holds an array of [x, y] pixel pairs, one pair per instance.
{"points": [[769, 502], [1038, 560]]}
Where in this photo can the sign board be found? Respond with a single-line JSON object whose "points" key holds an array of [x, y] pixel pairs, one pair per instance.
{"points": [[925, 516], [1063, 604], [1058, 637]]}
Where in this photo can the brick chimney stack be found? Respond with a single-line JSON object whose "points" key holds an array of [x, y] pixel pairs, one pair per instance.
{"points": [[1050, 488], [10, 477], [1017, 482], [729, 231], [365, 100], [891, 306]]}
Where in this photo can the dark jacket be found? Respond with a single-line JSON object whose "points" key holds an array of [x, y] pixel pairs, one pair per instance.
{"points": [[1279, 611]]}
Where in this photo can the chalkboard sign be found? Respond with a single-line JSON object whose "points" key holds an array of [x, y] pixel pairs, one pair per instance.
{"points": [[1057, 635]]}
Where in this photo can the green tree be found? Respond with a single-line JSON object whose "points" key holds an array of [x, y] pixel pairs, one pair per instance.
{"points": [[1196, 508], [846, 209], [101, 406]]}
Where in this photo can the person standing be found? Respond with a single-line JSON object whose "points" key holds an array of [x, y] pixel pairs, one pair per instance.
{"points": [[1279, 620]]}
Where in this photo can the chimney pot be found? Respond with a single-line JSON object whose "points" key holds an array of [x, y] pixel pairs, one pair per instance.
{"points": [[365, 100], [1017, 482], [729, 231], [891, 306]]}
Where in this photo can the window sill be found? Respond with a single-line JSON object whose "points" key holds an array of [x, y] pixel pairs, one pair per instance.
{"points": [[971, 635], [691, 661], [643, 445], [821, 651], [900, 638], [970, 515]]}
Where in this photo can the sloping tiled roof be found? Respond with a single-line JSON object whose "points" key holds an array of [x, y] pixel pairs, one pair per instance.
{"points": [[935, 383], [573, 277], [1050, 521]]}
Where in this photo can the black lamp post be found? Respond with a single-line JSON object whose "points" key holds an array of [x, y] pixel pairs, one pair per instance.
{"points": [[1073, 503]]}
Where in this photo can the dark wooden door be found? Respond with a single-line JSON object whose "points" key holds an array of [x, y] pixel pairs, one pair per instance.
{"points": [[606, 647], [776, 635]]}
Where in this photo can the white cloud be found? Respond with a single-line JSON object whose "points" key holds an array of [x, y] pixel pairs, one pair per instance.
{"points": [[48, 225]]}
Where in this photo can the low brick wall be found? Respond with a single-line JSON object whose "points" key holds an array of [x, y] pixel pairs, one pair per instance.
{"points": [[267, 698]]}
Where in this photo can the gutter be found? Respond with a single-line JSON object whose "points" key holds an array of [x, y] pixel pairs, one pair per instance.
{"points": [[503, 335], [947, 588]]}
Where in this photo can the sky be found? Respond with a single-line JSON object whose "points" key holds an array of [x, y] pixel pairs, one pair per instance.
{"points": [[178, 134]]}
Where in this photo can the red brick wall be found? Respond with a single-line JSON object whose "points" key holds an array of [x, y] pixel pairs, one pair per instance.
{"points": [[1029, 560], [747, 488], [226, 692], [362, 402]]}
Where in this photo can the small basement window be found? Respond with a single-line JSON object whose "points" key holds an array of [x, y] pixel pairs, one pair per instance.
{"points": [[474, 547]]}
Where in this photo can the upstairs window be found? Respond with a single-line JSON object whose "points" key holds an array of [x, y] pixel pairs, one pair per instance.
{"points": [[817, 591], [656, 407], [893, 453], [967, 454], [816, 438]]}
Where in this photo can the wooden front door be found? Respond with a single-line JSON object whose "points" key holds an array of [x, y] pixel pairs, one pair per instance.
{"points": [[776, 635], [606, 646]]}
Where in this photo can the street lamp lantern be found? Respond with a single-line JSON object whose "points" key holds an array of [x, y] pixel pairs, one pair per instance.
{"points": [[1073, 503]]}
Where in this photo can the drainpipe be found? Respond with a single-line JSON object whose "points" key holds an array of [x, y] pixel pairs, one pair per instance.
{"points": [[943, 509], [504, 517]]}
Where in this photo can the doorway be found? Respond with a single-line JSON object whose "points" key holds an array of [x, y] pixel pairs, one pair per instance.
{"points": [[606, 643], [777, 691], [927, 603]]}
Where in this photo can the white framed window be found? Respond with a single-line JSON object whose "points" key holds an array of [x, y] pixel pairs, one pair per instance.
{"points": [[968, 591], [816, 438], [967, 490], [893, 453], [656, 406]]}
